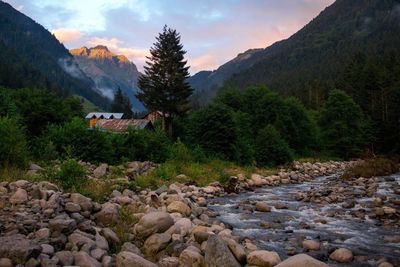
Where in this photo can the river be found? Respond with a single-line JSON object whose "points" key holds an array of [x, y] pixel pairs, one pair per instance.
{"points": [[329, 224]]}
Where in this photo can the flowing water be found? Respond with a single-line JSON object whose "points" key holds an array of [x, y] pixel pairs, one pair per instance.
{"points": [[329, 223]]}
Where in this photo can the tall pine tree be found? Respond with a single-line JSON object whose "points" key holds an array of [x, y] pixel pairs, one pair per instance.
{"points": [[163, 86], [122, 104]]}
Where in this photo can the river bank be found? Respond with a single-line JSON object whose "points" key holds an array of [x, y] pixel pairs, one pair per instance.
{"points": [[170, 226]]}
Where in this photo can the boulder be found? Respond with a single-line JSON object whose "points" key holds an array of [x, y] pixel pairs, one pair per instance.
{"points": [[129, 259], [301, 260], [180, 207], [217, 253], [155, 243], [311, 245], [19, 197], [342, 255], [192, 257], [100, 171], [108, 214], [18, 248], [85, 203], [263, 258], [153, 222], [83, 259], [262, 207]]}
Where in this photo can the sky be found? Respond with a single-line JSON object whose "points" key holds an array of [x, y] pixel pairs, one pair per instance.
{"points": [[212, 31]]}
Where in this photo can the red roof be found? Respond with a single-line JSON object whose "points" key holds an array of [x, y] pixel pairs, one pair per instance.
{"points": [[123, 125]]}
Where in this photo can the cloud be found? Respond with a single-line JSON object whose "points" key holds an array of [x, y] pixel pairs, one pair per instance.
{"points": [[204, 62], [65, 35]]}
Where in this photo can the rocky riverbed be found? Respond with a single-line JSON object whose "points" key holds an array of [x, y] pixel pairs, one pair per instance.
{"points": [[172, 226]]}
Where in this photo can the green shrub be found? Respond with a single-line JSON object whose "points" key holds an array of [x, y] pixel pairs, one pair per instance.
{"points": [[271, 149], [71, 175], [13, 144]]}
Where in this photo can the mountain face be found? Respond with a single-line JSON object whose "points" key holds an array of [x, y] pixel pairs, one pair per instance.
{"points": [[309, 63], [206, 83], [32, 57], [109, 72]]}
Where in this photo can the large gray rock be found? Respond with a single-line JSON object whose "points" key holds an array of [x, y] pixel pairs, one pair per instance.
{"points": [[263, 258], [19, 197], [100, 171], [129, 259], [18, 248], [153, 222], [82, 259], [217, 253], [301, 260]]}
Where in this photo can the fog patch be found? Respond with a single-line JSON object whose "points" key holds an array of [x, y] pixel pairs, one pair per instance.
{"points": [[70, 67]]}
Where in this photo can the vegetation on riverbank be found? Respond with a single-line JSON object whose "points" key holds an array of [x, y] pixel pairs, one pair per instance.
{"points": [[377, 166]]}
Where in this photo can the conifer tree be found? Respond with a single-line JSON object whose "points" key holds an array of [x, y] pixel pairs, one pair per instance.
{"points": [[163, 86], [122, 104]]}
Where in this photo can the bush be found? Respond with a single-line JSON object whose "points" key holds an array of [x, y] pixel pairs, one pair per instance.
{"points": [[271, 149], [13, 144], [71, 175]]}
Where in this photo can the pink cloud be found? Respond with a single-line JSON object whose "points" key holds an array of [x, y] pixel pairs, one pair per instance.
{"points": [[65, 35]]}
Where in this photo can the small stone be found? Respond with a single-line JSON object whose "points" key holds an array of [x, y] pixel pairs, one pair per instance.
{"points": [[98, 253], [65, 258], [83, 259], [43, 233], [180, 207], [262, 207], [342, 255], [129, 259], [155, 243], [100, 171], [19, 197], [47, 249], [72, 207], [311, 245], [169, 262], [301, 260], [5, 262]]}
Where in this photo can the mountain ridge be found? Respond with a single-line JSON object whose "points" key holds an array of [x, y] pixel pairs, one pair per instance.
{"points": [[109, 71], [34, 51]]}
